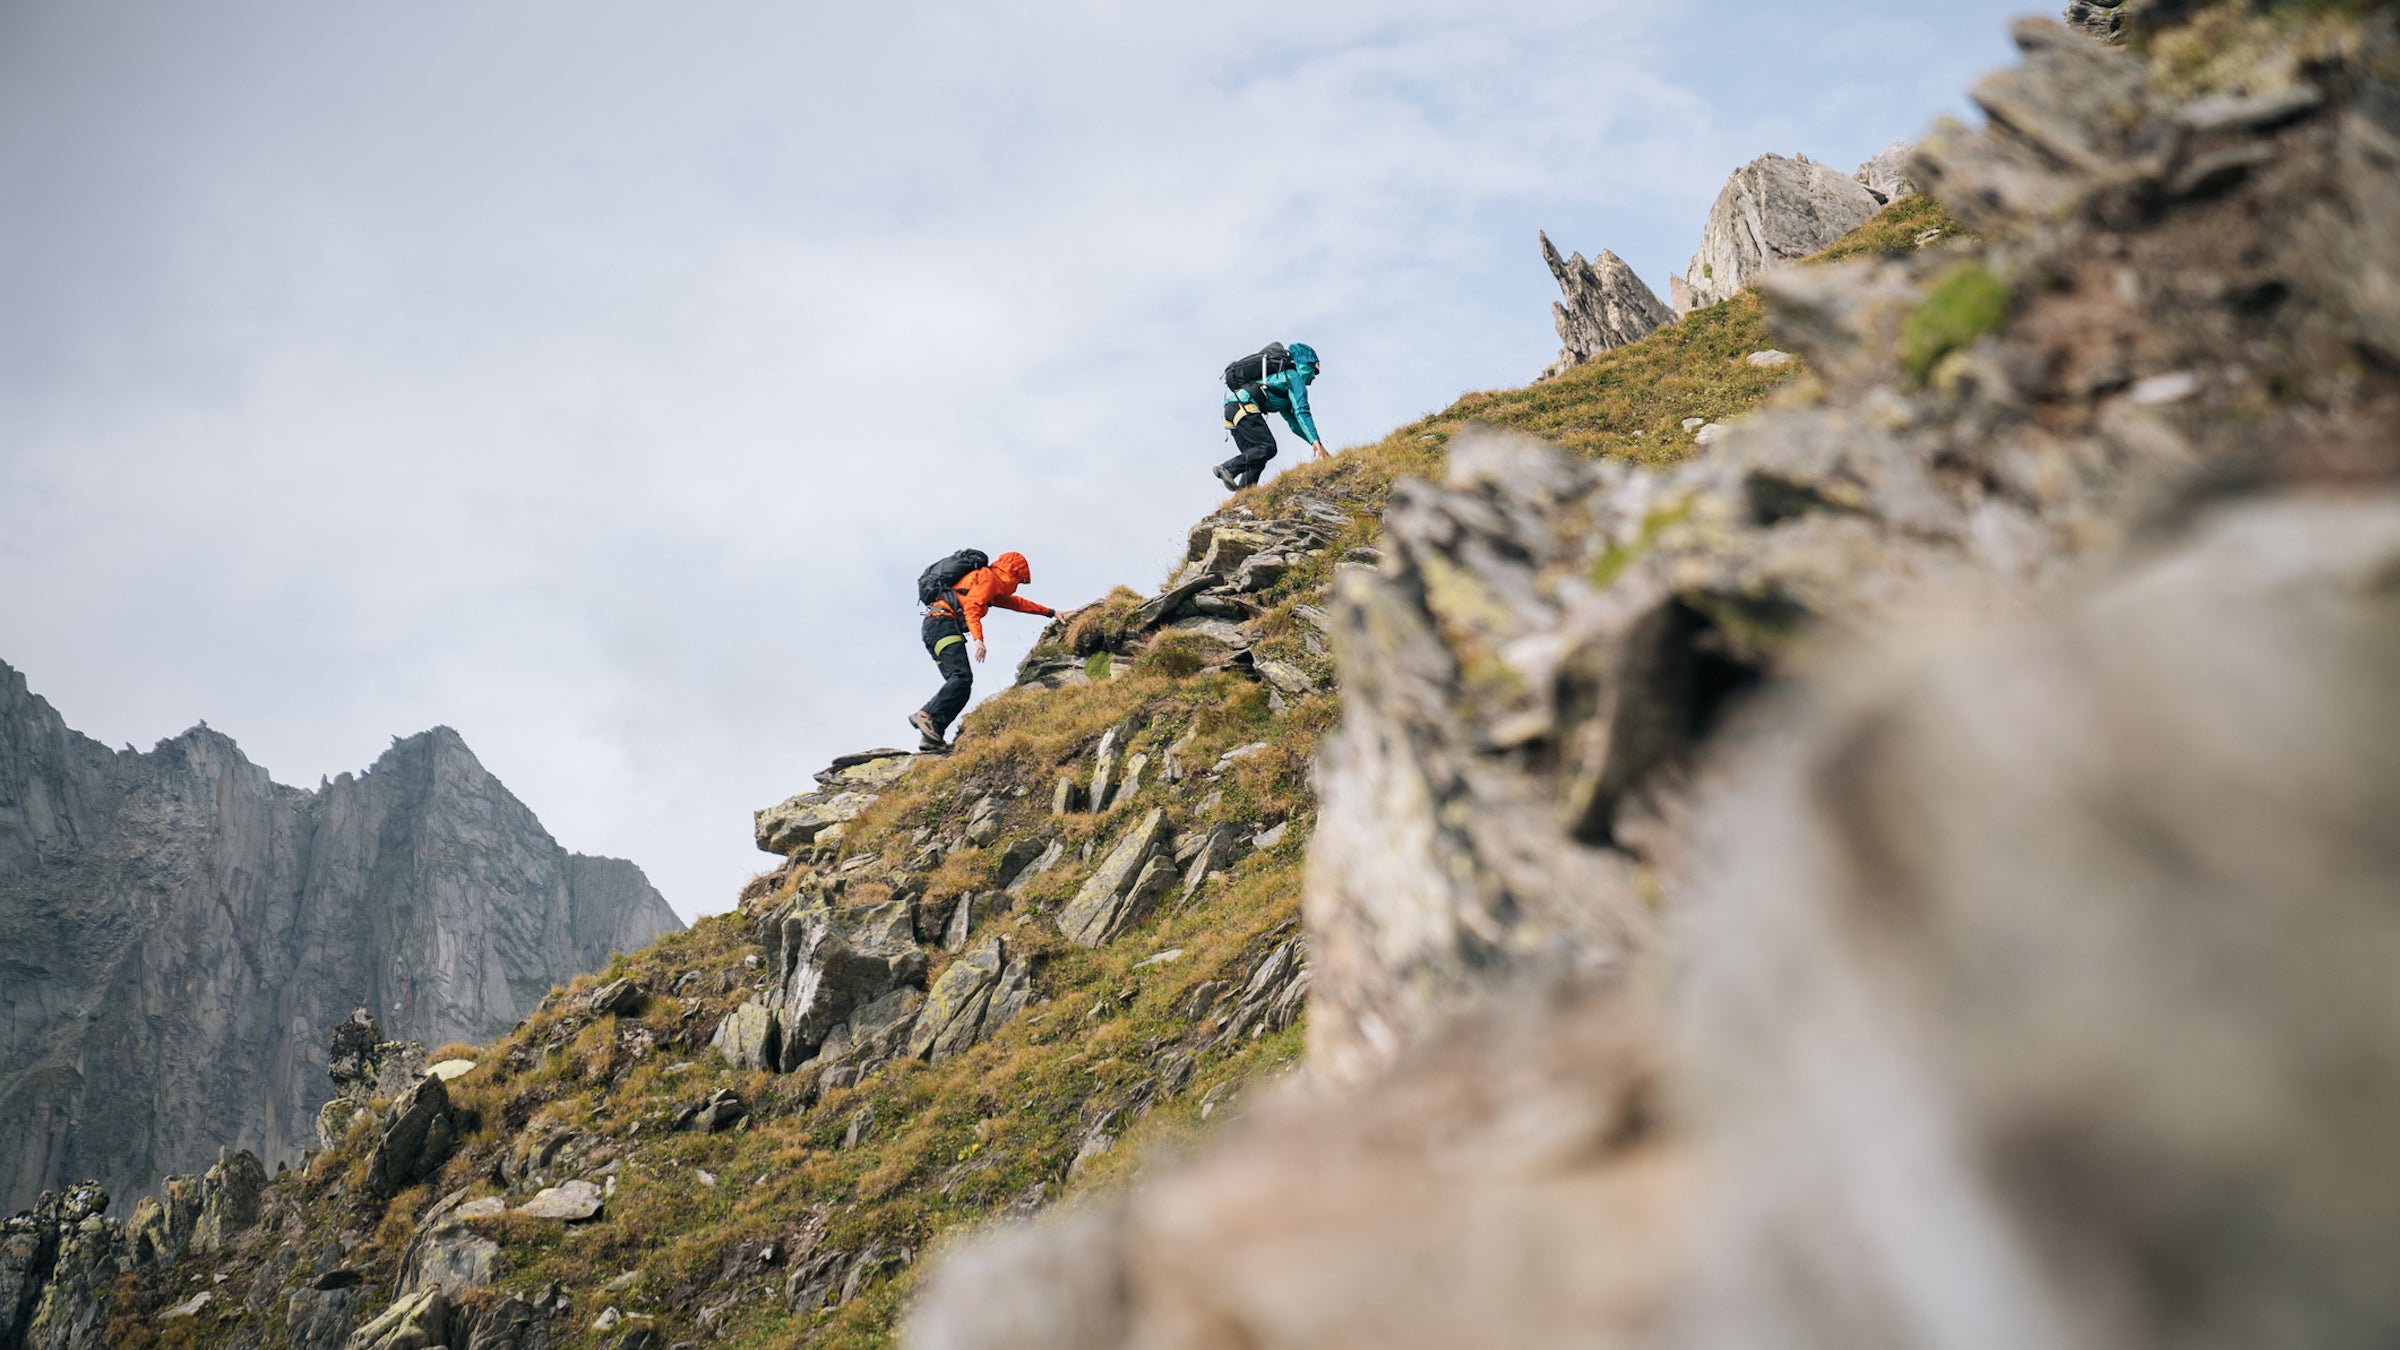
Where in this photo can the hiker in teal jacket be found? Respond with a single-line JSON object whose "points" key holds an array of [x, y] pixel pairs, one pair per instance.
{"points": [[1284, 391]]}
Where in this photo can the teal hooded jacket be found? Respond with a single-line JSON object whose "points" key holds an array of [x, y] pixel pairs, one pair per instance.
{"points": [[1286, 392]]}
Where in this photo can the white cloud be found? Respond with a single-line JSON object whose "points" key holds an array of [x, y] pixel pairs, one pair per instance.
{"points": [[595, 378]]}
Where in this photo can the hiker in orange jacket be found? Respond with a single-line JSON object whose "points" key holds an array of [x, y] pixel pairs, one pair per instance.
{"points": [[957, 617]]}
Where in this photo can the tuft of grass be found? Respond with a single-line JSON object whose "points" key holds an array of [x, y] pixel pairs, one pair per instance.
{"points": [[1895, 231]]}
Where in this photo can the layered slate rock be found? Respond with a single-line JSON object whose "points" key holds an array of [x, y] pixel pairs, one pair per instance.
{"points": [[955, 1010], [844, 790], [1138, 868], [417, 1141], [179, 935], [828, 964], [1771, 212], [1606, 306]]}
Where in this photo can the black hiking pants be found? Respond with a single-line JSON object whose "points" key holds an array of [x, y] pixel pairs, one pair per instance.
{"points": [[1253, 445], [946, 639]]}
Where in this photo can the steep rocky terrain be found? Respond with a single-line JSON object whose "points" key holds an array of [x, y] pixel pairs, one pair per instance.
{"points": [[1915, 874], [179, 936], [1607, 865]]}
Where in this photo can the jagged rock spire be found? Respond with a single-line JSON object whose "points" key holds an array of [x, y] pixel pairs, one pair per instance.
{"points": [[1607, 306]]}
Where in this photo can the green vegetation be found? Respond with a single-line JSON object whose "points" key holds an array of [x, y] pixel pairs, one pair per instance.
{"points": [[1966, 303], [1900, 229]]}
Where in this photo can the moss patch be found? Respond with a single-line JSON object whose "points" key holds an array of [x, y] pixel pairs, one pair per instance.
{"points": [[1967, 302]]}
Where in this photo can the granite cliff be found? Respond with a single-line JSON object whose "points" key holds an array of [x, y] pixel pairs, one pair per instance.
{"points": [[179, 935]]}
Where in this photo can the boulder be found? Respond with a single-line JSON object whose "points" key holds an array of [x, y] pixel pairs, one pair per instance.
{"points": [[831, 961], [229, 1198], [1165, 605], [1014, 859], [1886, 175], [1131, 783], [796, 822], [322, 1314], [1257, 573], [1120, 891], [507, 1326], [1009, 997], [613, 999], [1606, 306], [1104, 763], [416, 1143], [1771, 212], [867, 770], [750, 1037], [449, 1256], [954, 1009], [961, 922], [720, 1110], [1228, 547], [569, 1201], [418, 1321], [1284, 675], [875, 1033], [1216, 852]]}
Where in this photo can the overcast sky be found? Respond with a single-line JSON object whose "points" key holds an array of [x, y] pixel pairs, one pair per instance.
{"points": [[595, 377]]}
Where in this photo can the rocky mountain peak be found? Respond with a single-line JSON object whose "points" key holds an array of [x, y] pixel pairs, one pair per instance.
{"points": [[1606, 306], [179, 934], [1773, 211]]}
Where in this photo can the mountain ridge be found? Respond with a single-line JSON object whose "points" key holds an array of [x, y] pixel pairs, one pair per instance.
{"points": [[180, 896]]}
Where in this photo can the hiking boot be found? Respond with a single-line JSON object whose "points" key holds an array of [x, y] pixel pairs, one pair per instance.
{"points": [[933, 742], [1229, 479]]}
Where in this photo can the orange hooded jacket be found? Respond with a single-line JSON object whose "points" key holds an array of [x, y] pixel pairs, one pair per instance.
{"points": [[988, 588]]}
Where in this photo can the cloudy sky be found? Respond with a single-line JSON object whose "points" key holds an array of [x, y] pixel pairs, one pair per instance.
{"points": [[595, 377]]}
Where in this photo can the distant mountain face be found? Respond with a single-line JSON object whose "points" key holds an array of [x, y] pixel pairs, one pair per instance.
{"points": [[179, 935]]}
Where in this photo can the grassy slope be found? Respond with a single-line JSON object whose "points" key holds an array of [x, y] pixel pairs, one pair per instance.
{"points": [[996, 1127]]}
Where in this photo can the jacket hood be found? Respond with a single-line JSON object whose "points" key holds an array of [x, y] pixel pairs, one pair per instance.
{"points": [[1304, 356], [1014, 567]]}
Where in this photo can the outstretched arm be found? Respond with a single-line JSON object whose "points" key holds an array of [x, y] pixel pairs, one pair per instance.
{"points": [[1304, 424], [1023, 606]]}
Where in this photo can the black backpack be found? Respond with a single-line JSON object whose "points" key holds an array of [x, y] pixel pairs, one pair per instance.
{"points": [[1258, 365], [940, 579]]}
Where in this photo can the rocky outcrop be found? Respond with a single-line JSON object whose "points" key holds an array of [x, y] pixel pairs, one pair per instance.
{"points": [[1606, 306], [179, 935], [1138, 869], [2102, 19], [416, 1142], [954, 1010], [1231, 558], [365, 1069], [843, 790], [1773, 211], [60, 1259], [2002, 737], [1887, 175]]}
